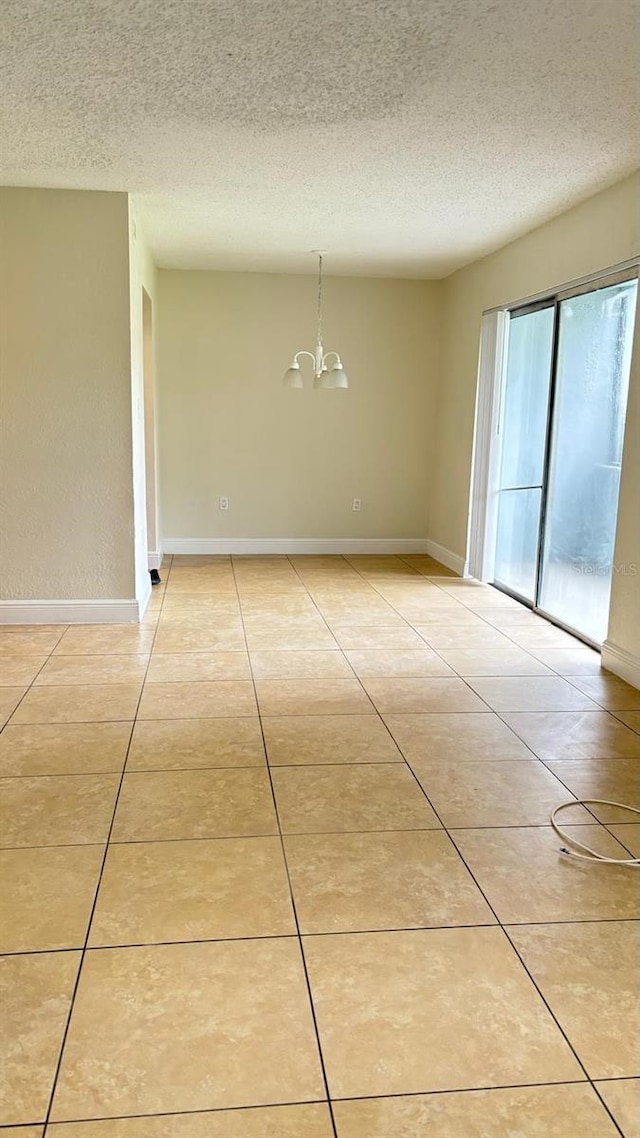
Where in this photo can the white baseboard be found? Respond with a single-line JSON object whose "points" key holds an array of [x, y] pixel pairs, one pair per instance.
{"points": [[293, 545], [446, 557], [622, 663], [154, 559], [71, 612]]}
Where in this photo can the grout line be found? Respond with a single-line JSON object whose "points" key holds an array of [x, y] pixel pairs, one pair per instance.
{"points": [[117, 945], [291, 893], [29, 686], [298, 833], [323, 1102], [74, 993]]}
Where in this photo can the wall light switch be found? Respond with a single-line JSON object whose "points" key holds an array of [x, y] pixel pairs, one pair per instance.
{"points": [[356, 505], [223, 503]]}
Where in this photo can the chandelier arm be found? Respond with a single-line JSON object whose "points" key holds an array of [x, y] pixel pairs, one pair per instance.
{"points": [[309, 354], [327, 354]]}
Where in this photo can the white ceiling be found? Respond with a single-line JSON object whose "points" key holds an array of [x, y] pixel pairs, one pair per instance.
{"points": [[406, 137]]}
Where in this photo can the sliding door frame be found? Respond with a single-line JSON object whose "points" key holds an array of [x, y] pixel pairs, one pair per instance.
{"points": [[487, 444]]}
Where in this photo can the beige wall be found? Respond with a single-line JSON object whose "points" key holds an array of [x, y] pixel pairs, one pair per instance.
{"points": [[291, 462], [66, 450], [602, 231], [624, 616]]}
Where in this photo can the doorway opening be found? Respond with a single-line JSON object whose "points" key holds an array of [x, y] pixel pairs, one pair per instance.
{"points": [[561, 374], [154, 553]]}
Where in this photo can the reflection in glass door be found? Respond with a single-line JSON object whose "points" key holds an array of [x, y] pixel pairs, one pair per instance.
{"points": [[592, 381], [562, 427], [524, 435]]}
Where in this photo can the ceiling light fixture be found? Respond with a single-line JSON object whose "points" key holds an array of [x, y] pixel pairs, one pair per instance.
{"points": [[324, 376]]}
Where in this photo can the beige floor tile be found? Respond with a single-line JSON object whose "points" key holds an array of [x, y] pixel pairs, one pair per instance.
{"points": [[278, 623], [609, 691], [178, 744], [293, 639], [166, 805], [206, 606], [190, 666], [439, 1009], [595, 1003], [615, 780], [449, 738], [294, 665], [428, 566], [352, 882], [56, 810], [575, 735], [199, 584], [312, 697], [35, 996], [202, 890], [629, 836], [436, 608], [476, 636], [623, 1099], [310, 1120], [542, 635], [30, 643], [491, 793], [531, 693], [300, 740], [386, 637], [371, 662], [630, 718], [19, 671], [102, 669], [205, 699], [93, 640], [559, 1111], [570, 661], [209, 623], [182, 639], [350, 798], [78, 703], [9, 700], [66, 748], [494, 662], [523, 618], [396, 697], [525, 878], [239, 1009], [46, 897]]}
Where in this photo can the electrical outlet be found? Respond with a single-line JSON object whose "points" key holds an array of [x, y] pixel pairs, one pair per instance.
{"points": [[356, 505], [223, 503]]}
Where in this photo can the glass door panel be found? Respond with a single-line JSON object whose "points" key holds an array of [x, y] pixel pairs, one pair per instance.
{"points": [[592, 377], [524, 434]]}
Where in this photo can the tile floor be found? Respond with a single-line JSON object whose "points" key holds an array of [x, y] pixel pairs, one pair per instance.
{"points": [[277, 864]]}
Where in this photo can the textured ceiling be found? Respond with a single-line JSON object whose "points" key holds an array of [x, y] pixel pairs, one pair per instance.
{"points": [[406, 137]]}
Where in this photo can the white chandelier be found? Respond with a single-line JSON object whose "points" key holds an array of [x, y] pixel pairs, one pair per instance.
{"points": [[335, 376]]}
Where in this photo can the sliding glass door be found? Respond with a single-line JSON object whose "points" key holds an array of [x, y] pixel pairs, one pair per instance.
{"points": [[562, 428]]}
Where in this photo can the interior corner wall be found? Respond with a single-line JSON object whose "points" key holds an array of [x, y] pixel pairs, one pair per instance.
{"points": [[602, 231], [291, 462], [66, 454]]}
